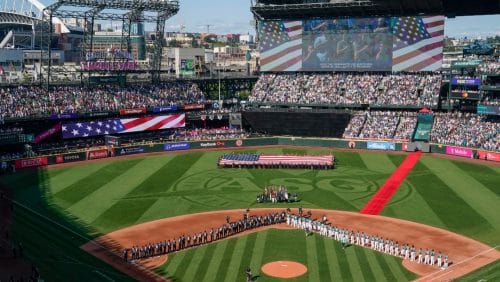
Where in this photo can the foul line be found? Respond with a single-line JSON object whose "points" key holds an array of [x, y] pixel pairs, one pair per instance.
{"points": [[452, 267], [78, 234]]}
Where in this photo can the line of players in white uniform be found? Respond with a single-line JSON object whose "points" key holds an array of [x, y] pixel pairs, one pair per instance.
{"points": [[376, 243]]}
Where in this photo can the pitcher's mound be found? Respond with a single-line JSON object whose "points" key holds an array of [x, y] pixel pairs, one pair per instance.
{"points": [[284, 269]]}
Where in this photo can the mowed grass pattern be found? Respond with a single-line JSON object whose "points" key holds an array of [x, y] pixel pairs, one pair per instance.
{"points": [[110, 195], [322, 256], [448, 195], [150, 188], [437, 192]]}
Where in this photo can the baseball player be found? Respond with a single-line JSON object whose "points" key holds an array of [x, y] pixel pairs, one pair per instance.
{"points": [[407, 252], [412, 253], [439, 259], [426, 258], [420, 255], [432, 258], [445, 262]]}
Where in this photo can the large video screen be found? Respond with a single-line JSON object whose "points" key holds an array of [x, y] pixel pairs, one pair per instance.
{"points": [[408, 44]]}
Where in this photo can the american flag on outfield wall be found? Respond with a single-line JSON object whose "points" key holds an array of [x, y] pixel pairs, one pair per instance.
{"points": [[418, 43], [281, 45], [120, 126]]}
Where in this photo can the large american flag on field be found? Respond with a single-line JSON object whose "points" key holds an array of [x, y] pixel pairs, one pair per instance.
{"points": [[280, 159], [120, 126], [280, 45], [418, 43]]}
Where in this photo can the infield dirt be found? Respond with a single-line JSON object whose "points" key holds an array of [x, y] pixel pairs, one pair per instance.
{"points": [[466, 255]]}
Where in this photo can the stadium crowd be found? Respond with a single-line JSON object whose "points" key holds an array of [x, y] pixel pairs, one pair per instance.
{"points": [[489, 67], [348, 89], [25, 101], [381, 125], [467, 130], [230, 228]]}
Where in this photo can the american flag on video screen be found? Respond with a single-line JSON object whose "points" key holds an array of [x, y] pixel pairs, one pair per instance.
{"points": [[281, 45], [120, 126], [418, 43]]}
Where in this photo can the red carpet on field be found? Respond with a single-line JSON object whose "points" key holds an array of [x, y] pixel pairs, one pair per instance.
{"points": [[384, 194]]}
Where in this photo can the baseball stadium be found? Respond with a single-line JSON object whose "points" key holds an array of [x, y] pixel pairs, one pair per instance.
{"points": [[361, 148]]}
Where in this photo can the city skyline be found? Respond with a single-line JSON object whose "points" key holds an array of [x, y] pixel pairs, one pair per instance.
{"points": [[234, 16]]}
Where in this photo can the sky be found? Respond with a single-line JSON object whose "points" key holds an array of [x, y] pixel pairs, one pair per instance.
{"points": [[234, 16]]}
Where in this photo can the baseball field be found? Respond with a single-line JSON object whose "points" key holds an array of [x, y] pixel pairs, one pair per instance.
{"points": [[63, 207]]}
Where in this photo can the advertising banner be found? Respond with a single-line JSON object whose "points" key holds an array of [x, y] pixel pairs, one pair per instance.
{"points": [[69, 158], [131, 150], [404, 147], [381, 146], [194, 106], [98, 114], [466, 81], [97, 154], [34, 162], [47, 133], [489, 156], [213, 144], [176, 146], [64, 116], [125, 112], [465, 64], [165, 109], [187, 67], [461, 152], [488, 110], [109, 66]]}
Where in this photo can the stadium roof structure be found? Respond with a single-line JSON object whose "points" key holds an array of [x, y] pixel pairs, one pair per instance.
{"points": [[110, 9], [127, 11], [306, 9]]}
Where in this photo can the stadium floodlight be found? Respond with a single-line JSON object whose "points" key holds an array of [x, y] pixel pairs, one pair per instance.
{"points": [[155, 11]]}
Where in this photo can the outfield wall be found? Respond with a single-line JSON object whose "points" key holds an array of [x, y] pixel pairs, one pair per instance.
{"points": [[242, 143]]}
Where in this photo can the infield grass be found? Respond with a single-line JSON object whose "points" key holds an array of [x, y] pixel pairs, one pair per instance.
{"points": [[324, 258]]}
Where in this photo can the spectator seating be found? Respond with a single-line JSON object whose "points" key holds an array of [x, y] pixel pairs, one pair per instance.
{"points": [[34, 101], [349, 89]]}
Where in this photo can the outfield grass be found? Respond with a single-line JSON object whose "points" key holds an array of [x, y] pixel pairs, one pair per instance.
{"points": [[94, 199], [452, 195], [490, 272], [324, 258]]}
